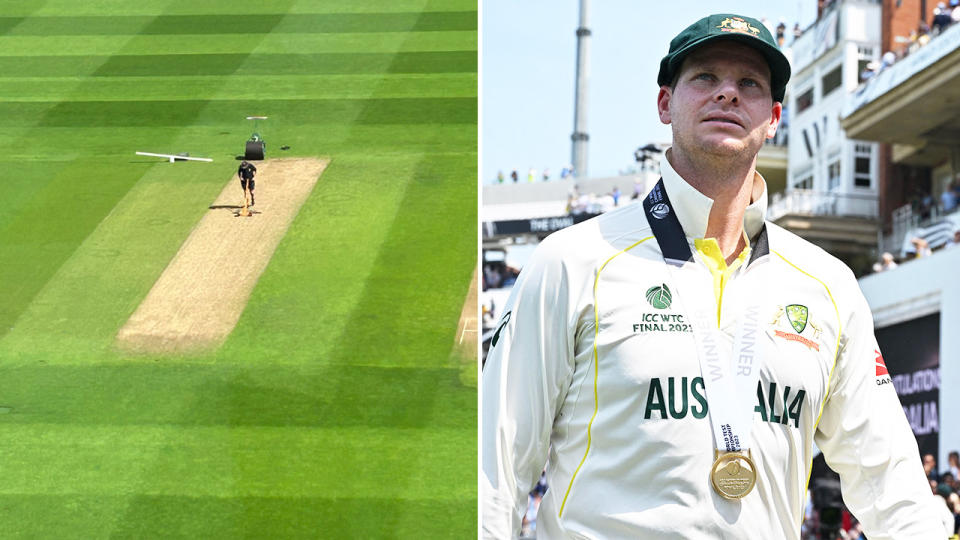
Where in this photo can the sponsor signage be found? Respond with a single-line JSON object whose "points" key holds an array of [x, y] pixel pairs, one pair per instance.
{"points": [[537, 226], [911, 362]]}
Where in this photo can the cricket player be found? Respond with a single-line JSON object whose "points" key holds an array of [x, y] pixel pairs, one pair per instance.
{"points": [[673, 363], [246, 172]]}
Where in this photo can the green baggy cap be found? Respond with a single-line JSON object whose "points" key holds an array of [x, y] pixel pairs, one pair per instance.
{"points": [[745, 30]]}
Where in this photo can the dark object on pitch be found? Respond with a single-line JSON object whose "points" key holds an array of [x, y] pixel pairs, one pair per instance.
{"points": [[254, 150], [284, 147]]}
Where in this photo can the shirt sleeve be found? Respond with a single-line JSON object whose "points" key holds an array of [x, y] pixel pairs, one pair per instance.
{"points": [[865, 438], [527, 372]]}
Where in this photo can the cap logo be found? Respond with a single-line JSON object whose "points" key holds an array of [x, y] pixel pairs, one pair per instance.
{"points": [[736, 24]]}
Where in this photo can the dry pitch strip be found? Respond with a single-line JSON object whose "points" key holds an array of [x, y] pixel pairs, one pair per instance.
{"points": [[198, 299]]}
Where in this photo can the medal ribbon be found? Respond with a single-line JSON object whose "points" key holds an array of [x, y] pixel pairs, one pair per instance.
{"points": [[730, 376]]}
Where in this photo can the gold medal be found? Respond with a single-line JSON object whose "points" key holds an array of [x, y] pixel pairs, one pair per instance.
{"points": [[733, 474]]}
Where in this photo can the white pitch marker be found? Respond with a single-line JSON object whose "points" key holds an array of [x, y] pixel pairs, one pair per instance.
{"points": [[174, 157]]}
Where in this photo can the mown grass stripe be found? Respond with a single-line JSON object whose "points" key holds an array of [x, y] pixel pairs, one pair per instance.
{"points": [[444, 235], [230, 395], [12, 67], [236, 87], [243, 24], [224, 141], [9, 23], [37, 240], [386, 42], [462, 110], [228, 461], [145, 515]]}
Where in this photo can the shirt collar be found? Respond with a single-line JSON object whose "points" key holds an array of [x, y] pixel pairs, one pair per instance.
{"points": [[693, 207]]}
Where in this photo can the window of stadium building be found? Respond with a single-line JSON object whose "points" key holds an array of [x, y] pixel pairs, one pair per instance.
{"points": [[831, 81], [833, 176], [866, 56], [805, 183], [861, 165], [805, 100]]}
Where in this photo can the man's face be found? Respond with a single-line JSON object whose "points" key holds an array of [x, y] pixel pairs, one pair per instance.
{"points": [[721, 104]]}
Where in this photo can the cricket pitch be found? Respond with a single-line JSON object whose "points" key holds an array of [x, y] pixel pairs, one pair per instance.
{"points": [[198, 299]]}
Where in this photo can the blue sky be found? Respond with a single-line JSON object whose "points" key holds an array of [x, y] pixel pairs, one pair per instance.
{"points": [[528, 53]]}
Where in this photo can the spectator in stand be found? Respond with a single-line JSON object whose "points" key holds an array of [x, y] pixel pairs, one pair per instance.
{"points": [[954, 502], [923, 33], [546, 174], [531, 175], [797, 32], [886, 263], [514, 176], [921, 247], [955, 13], [953, 242], [499, 177], [921, 203], [930, 468], [953, 458], [616, 196], [946, 513], [947, 480], [888, 59], [948, 199], [941, 18], [491, 277], [510, 276], [781, 33]]}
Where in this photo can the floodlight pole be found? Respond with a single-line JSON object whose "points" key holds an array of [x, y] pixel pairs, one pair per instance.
{"points": [[579, 136]]}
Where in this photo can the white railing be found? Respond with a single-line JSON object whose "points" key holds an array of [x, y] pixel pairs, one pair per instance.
{"points": [[808, 202], [904, 221]]}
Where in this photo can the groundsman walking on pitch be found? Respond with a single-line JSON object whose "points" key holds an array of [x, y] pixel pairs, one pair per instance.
{"points": [[246, 172]]}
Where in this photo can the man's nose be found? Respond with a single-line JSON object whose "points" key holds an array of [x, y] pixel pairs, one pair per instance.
{"points": [[727, 91]]}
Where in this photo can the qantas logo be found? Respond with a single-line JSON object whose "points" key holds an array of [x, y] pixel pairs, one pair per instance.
{"points": [[881, 366], [883, 376]]}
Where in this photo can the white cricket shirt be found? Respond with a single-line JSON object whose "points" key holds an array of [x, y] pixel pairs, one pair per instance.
{"points": [[594, 373]]}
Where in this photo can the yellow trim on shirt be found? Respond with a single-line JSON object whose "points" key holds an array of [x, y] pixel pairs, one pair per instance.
{"points": [[717, 263], [596, 369]]}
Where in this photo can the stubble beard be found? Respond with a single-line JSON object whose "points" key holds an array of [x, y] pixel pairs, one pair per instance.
{"points": [[708, 150]]}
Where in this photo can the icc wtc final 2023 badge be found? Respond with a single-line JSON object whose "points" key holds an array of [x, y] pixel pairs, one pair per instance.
{"points": [[733, 474]]}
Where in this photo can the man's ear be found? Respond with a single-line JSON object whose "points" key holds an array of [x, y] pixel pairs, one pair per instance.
{"points": [[774, 119], [663, 104]]}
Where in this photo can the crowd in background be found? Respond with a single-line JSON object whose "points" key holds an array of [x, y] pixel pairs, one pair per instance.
{"points": [[944, 16], [534, 176], [925, 206], [943, 484], [498, 274]]}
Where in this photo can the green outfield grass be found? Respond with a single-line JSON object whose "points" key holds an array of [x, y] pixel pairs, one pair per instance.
{"points": [[338, 407]]}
